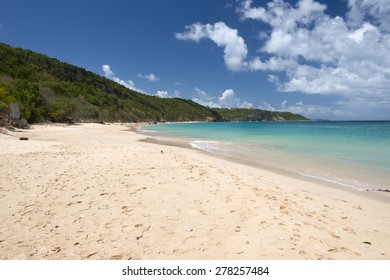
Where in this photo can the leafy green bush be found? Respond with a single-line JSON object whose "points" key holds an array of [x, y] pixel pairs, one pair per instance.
{"points": [[61, 109], [5, 99]]}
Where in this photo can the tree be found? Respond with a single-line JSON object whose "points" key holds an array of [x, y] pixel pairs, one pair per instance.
{"points": [[5, 99]]}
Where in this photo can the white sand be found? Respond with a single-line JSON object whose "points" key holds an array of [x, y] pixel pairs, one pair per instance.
{"points": [[94, 192]]}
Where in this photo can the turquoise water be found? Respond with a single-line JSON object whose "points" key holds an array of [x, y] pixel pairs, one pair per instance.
{"points": [[353, 154]]}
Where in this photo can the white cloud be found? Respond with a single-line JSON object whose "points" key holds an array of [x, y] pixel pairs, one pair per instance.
{"points": [[306, 50], [235, 49], [111, 75], [311, 110], [318, 111], [227, 95], [358, 34], [365, 106], [280, 14], [283, 105], [202, 94], [162, 94], [165, 94], [150, 77], [266, 106], [227, 99], [201, 97], [321, 54], [343, 109], [361, 11]]}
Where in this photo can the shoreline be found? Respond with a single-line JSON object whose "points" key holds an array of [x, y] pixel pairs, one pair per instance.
{"points": [[95, 191], [375, 194]]}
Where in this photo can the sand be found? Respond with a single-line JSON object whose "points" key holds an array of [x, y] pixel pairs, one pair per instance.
{"points": [[94, 191]]}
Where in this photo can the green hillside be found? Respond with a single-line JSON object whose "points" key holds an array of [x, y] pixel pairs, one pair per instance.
{"points": [[52, 90], [241, 114], [49, 89]]}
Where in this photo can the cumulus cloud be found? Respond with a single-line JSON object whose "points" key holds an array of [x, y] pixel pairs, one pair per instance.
{"points": [[357, 108], [314, 111], [201, 97], [150, 77], [162, 94], [235, 49], [322, 54], [227, 95], [266, 106], [361, 11], [165, 94], [109, 74], [306, 50], [280, 13], [227, 99]]}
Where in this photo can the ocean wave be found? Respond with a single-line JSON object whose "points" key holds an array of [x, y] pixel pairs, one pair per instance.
{"points": [[205, 145], [335, 182]]}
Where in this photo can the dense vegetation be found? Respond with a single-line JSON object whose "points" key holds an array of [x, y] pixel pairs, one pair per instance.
{"points": [[241, 114], [48, 89]]}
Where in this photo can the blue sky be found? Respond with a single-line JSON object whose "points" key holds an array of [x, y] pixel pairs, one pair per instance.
{"points": [[323, 59]]}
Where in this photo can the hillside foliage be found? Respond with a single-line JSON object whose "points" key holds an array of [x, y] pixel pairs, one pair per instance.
{"points": [[244, 115], [51, 90]]}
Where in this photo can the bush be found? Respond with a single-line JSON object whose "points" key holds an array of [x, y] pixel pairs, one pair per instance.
{"points": [[61, 109]]}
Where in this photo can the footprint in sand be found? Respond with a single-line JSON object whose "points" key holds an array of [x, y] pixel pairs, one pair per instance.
{"points": [[349, 230], [197, 202], [343, 249], [335, 236], [358, 207], [295, 237], [203, 212]]}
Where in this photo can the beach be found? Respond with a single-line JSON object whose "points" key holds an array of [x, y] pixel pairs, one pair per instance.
{"points": [[94, 191]]}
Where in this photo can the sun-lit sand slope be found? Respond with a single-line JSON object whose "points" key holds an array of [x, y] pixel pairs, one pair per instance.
{"points": [[94, 192]]}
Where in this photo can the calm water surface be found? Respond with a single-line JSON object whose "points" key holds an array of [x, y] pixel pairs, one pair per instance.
{"points": [[353, 154]]}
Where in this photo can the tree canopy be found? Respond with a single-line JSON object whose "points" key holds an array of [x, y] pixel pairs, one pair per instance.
{"points": [[49, 89]]}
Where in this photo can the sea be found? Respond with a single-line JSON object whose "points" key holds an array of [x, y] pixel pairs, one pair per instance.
{"points": [[349, 154]]}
